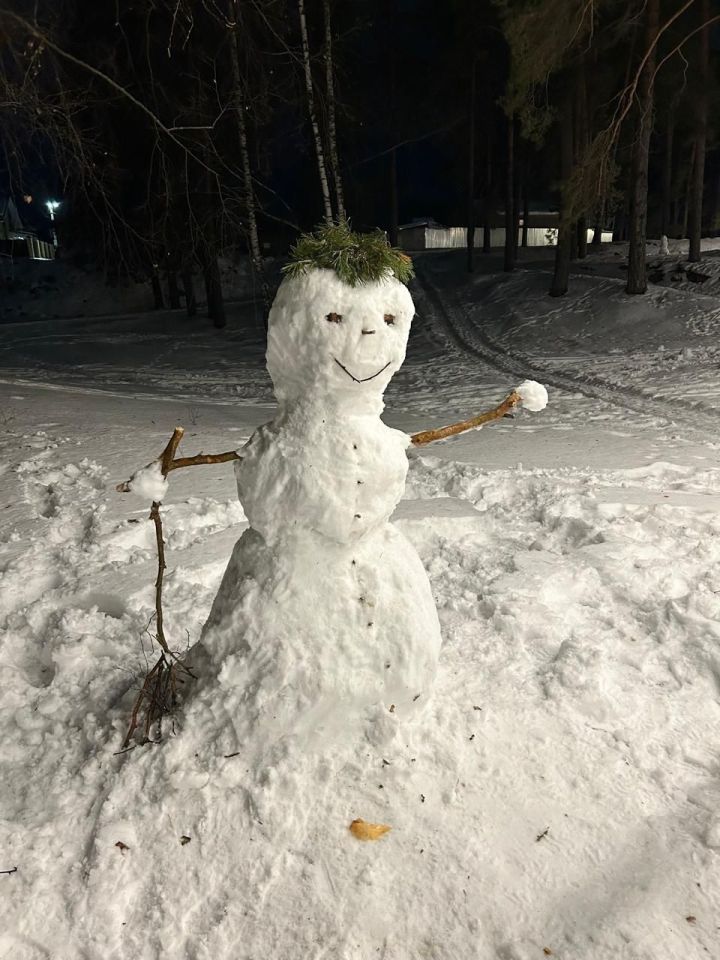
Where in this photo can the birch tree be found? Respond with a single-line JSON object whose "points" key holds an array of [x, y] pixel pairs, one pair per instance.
{"points": [[312, 111], [331, 115], [700, 136], [239, 109], [637, 235]]}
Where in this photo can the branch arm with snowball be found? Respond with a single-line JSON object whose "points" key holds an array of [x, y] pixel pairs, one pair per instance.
{"points": [[530, 395], [158, 692]]}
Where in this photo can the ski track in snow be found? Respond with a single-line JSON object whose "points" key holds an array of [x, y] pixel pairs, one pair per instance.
{"points": [[561, 790], [447, 308]]}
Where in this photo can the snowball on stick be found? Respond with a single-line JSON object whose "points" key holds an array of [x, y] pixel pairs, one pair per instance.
{"points": [[149, 483], [530, 394], [533, 395]]}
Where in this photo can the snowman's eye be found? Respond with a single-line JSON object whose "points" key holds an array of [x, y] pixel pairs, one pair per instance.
{"points": [[334, 318], [389, 319]]}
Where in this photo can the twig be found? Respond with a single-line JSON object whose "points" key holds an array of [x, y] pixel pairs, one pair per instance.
{"points": [[168, 463], [626, 97], [428, 436], [7, 872], [203, 458], [158, 694]]}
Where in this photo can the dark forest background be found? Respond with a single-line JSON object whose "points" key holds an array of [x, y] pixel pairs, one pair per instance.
{"points": [[175, 131]]}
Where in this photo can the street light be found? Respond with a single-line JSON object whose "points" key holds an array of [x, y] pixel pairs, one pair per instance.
{"points": [[52, 206]]}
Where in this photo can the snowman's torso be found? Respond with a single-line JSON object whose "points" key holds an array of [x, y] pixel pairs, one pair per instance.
{"points": [[340, 478]]}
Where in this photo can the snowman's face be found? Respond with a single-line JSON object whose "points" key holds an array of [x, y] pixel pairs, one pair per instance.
{"points": [[328, 337]]}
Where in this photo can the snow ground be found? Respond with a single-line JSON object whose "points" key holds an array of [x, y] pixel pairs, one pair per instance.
{"points": [[561, 791]]}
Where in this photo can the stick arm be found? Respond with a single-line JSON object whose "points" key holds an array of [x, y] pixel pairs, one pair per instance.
{"points": [[168, 461], [441, 433]]}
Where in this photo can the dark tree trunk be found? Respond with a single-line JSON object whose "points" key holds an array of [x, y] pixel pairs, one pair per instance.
{"points": [[314, 122], [516, 192], [566, 229], [213, 290], [667, 173], [331, 119], [189, 288], [561, 276], [637, 265], [157, 290], [582, 230], [617, 228], [470, 238], [394, 230], [209, 239], [489, 202], [580, 148], [239, 110], [688, 190], [172, 284], [509, 261], [696, 193], [714, 211], [574, 242], [526, 212], [598, 229]]}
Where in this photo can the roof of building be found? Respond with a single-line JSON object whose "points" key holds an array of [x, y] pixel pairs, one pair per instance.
{"points": [[9, 213]]}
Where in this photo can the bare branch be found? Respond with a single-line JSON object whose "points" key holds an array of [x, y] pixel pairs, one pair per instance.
{"points": [[158, 694], [441, 433]]}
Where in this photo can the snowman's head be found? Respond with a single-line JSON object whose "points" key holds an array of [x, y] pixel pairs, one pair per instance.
{"points": [[330, 339]]}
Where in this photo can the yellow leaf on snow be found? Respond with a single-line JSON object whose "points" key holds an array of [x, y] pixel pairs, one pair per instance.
{"points": [[368, 831]]}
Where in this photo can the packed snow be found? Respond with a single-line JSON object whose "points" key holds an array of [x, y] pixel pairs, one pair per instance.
{"points": [[558, 795]]}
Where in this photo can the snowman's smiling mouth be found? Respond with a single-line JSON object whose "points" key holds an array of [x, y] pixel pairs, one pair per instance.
{"points": [[364, 379]]}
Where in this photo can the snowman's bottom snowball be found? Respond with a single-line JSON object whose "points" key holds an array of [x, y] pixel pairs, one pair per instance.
{"points": [[309, 635]]}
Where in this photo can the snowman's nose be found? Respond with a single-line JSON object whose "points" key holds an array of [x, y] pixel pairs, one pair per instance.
{"points": [[366, 332]]}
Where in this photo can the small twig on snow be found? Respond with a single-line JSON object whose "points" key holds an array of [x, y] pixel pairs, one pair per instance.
{"points": [[7, 872]]}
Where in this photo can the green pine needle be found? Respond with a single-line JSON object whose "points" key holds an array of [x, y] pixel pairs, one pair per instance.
{"points": [[355, 257]]}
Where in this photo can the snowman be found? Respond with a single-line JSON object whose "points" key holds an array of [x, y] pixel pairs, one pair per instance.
{"points": [[325, 614]]}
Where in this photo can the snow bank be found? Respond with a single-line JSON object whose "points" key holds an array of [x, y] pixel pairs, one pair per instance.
{"points": [[573, 713]]}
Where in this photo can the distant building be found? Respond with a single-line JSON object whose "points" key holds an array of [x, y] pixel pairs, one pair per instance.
{"points": [[16, 239], [427, 234]]}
